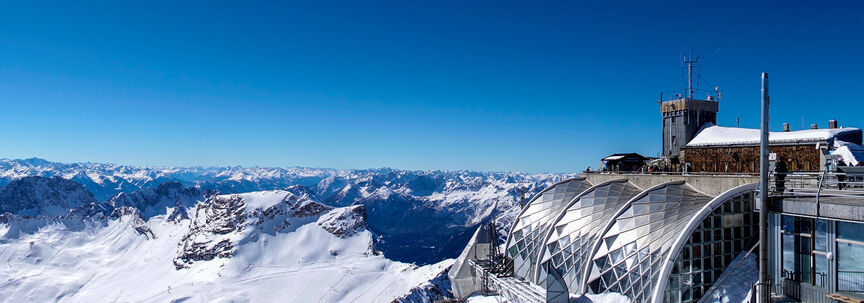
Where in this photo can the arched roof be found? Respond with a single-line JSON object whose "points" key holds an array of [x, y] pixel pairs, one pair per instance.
{"points": [[577, 227], [523, 241], [629, 256], [612, 238], [685, 233]]}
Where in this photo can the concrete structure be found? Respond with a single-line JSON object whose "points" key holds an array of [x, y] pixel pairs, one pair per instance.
{"points": [[464, 278], [684, 115], [682, 119], [710, 184]]}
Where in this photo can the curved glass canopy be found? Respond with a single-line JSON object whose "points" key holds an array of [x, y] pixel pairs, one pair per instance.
{"points": [[571, 237], [531, 225], [668, 243], [703, 251], [630, 254]]}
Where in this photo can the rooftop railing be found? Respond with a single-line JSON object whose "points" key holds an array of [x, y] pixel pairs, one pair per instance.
{"points": [[818, 184], [669, 173]]}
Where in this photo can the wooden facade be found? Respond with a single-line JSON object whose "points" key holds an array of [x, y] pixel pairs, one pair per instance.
{"points": [[745, 159]]}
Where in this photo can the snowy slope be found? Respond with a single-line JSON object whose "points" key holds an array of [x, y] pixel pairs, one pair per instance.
{"points": [[111, 259]]}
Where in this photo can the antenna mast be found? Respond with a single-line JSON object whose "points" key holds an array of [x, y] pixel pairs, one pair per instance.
{"points": [[690, 60]]}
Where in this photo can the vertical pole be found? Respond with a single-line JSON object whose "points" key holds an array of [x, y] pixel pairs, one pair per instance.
{"points": [[764, 296], [690, 78]]}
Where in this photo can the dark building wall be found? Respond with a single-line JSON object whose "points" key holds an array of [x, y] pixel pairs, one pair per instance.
{"points": [[682, 119], [745, 159]]}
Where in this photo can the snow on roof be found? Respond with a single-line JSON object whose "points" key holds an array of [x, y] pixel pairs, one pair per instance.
{"points": [[620, 156], [713, 135], [850, 153]]}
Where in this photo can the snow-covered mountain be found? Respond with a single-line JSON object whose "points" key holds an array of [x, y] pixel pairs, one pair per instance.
{"points": [[259, 247], [418, 216], [157, 200], [34, 196], [107, 180]]}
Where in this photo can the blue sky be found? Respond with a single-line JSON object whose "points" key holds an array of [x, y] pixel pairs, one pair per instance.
{"points": [[493, 85]]}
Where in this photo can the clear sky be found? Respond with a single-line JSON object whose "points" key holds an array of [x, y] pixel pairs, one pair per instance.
{"points": [[496, 86]]}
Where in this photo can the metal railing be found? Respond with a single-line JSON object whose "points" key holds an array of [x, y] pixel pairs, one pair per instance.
{"points": [[821, 278], [511, 288], [816, 184], [668, 173], [852, 281]]}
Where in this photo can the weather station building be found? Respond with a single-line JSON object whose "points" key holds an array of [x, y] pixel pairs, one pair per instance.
{"points": [[687, 230]]}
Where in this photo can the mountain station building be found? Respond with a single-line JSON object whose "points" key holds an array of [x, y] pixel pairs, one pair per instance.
{"points": [[688, 233]]}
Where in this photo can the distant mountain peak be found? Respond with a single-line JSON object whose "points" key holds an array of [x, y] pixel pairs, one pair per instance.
{"points": [[34, 196]]}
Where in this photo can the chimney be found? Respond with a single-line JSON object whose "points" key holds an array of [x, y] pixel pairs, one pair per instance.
{"points": [[785, 127], [832, 123], [814, 126]]}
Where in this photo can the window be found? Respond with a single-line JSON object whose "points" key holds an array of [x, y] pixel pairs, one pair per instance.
{"points": [[712, 247], [850, 252], [804, 244], [674, 140]]}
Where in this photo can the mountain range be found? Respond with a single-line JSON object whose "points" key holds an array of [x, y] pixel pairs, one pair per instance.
{"points": [[231, 232], [432, 212]]}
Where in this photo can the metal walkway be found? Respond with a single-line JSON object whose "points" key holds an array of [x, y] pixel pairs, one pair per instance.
{"points": [[511, 288]]}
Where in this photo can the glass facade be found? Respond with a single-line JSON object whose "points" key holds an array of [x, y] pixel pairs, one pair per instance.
{"points": [[731, 228], [631, 252], [804, 244], [572, 236], [531, 225], [819, 256], [850, 253]]}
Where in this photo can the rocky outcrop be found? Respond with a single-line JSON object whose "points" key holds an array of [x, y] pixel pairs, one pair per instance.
{"points": [[222, 222], [132, 216], [218, 216], [40, 196], [436, 289], [177, 214], [155, 201], [344, 222]]}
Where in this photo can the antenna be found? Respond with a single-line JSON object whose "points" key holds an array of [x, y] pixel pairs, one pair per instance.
{"points": [[690, 60], [738, 122], [717, 90]]}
